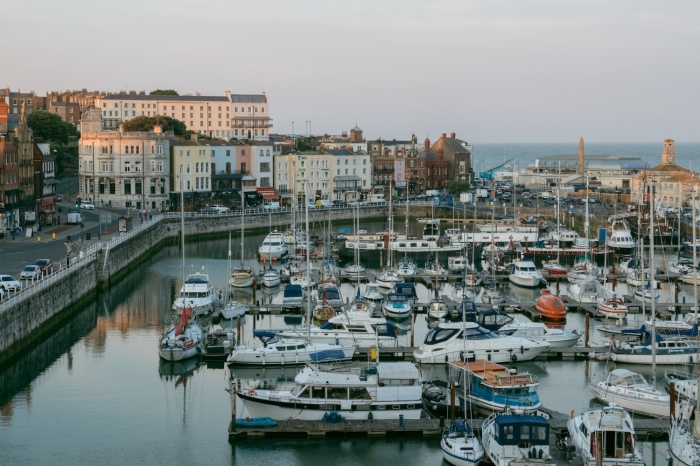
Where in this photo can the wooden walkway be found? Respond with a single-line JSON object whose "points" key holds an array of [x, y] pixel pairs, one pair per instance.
{"points": [[646, 429]]}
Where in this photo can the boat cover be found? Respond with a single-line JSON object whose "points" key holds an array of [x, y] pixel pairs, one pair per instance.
{"points": [[327, 355]]}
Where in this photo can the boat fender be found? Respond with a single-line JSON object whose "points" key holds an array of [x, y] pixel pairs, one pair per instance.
{"points": [[252, 392], [522, 350], [513, 358]]}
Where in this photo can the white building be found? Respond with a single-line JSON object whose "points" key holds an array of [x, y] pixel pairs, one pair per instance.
{"points": [[228, 116], [261, 163], [123, 169]]}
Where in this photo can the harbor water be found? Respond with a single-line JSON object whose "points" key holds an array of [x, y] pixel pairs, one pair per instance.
{"points": [[95, 392]]}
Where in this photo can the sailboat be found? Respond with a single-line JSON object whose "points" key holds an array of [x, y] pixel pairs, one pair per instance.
{"points": [[355, 270], [242, 276], [684, 439], [231, 308], [186, 339], [389, 277], [406, 266]]}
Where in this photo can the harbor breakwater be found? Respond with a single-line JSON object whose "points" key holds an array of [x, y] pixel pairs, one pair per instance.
{"points": [[40, 309]]}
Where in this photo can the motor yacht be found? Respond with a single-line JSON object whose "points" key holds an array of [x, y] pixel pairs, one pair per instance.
{"points": [[632, 392], [446, 342], [273, 247], [516, 439], [619, 237], [525, 274], [196, 292]]}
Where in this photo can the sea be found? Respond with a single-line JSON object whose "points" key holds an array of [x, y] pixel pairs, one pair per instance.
{"points": [[95, 391]]}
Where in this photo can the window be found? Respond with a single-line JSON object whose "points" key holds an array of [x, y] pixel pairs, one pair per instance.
{"points": [[127, 186], [265, 166], [127, 166], [137, 166]]}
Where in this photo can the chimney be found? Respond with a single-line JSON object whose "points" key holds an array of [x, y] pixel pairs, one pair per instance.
{"points": [[426, 144], [452, 135], [580, 157], [444, 135]]}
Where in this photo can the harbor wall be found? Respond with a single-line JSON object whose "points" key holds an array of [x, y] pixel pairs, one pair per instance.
{"points": [[56, 298], [42, 309]]}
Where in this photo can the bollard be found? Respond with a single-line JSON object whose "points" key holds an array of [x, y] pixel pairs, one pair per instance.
{"points": [[38, 239], [53, 235], [400, 420]]}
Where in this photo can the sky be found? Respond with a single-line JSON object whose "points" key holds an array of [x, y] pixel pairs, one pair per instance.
{"points": [[488, 70]]}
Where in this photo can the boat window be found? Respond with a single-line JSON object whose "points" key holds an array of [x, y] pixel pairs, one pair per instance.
{"points": [[359, 394], [402, 245], [338, 393], [317, 392], [539, 433], [438, 335], [524, 433], [413, 245], [508, 432], [298, 390]]}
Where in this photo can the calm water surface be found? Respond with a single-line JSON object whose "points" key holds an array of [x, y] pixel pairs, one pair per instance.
{"points": [[96, 393]]}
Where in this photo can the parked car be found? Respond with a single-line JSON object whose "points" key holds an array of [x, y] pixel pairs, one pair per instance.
{"points": [[338, 203], [87, 206], [209, 210], [10, 283], [45, 266], [30, 272], [272, 206], [526, 195], [222, 209], [525, 202]]}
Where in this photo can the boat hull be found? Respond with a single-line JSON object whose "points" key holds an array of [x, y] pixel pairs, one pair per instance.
{"points": [[264, 403], [636, 404]]}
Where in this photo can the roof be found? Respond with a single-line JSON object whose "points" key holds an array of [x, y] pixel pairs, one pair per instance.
{"points": [[669, 167], [163, 98], [511, 419], [454, 146], [249, 98], [397, 370], [339, 152]]}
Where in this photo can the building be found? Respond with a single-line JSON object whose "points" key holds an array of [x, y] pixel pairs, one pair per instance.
{"points": [[68, 111], [18, 101], [44, 183], [611, 172], [227, 116], [436, 168], [9, 184], [191, 174], [415, 168], [457, 154], [673, 184], [333, 174], [127, 169]]}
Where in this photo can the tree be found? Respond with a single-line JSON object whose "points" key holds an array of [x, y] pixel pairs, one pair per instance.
{"points": [[456, 186], [50, 127], [163, 92], [146, 123]]}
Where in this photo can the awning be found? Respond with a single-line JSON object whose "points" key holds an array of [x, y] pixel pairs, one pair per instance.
{"points": [[347, 178], [14, 191], [268, 193]]}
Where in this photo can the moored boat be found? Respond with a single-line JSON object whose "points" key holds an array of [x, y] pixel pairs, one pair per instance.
{"points": [[516, 439], [632, 392], [613, 307], [183, 341], [460, 446], [525, 274], [386, 390], [605, 437]]}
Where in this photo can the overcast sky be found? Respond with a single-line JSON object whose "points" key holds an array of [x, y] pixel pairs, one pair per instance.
{"points": [[489, 70]]}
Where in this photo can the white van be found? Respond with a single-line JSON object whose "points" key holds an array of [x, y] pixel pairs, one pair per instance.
{"points": [[376, 198], [432, 193], [272, 205]]}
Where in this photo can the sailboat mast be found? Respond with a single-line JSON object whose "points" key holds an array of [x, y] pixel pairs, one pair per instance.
{"points": [[695, 258], [652, 285], [242, 222], [308, 266], [182, 234]]}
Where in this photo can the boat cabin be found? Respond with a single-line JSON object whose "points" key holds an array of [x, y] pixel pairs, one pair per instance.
{"points": [[441, 334], [522, 431]]}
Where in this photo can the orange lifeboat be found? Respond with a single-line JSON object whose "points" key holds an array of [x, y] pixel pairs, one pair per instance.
{"points": [[550, 306]]}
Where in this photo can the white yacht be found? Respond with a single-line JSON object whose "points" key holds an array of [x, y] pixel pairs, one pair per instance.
{"points": [[525, 274], [586, 292], [557, 338], [605, 437], [242, 276], [349, 329], [434, 268], [273, 247], [632, 392], [397, 306], [388, 278], [460, 446], [387, 390], [406, 267], [274, 351], [620, 237], [446, 343], [196, 293], [372, 292], [457, 263]]}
